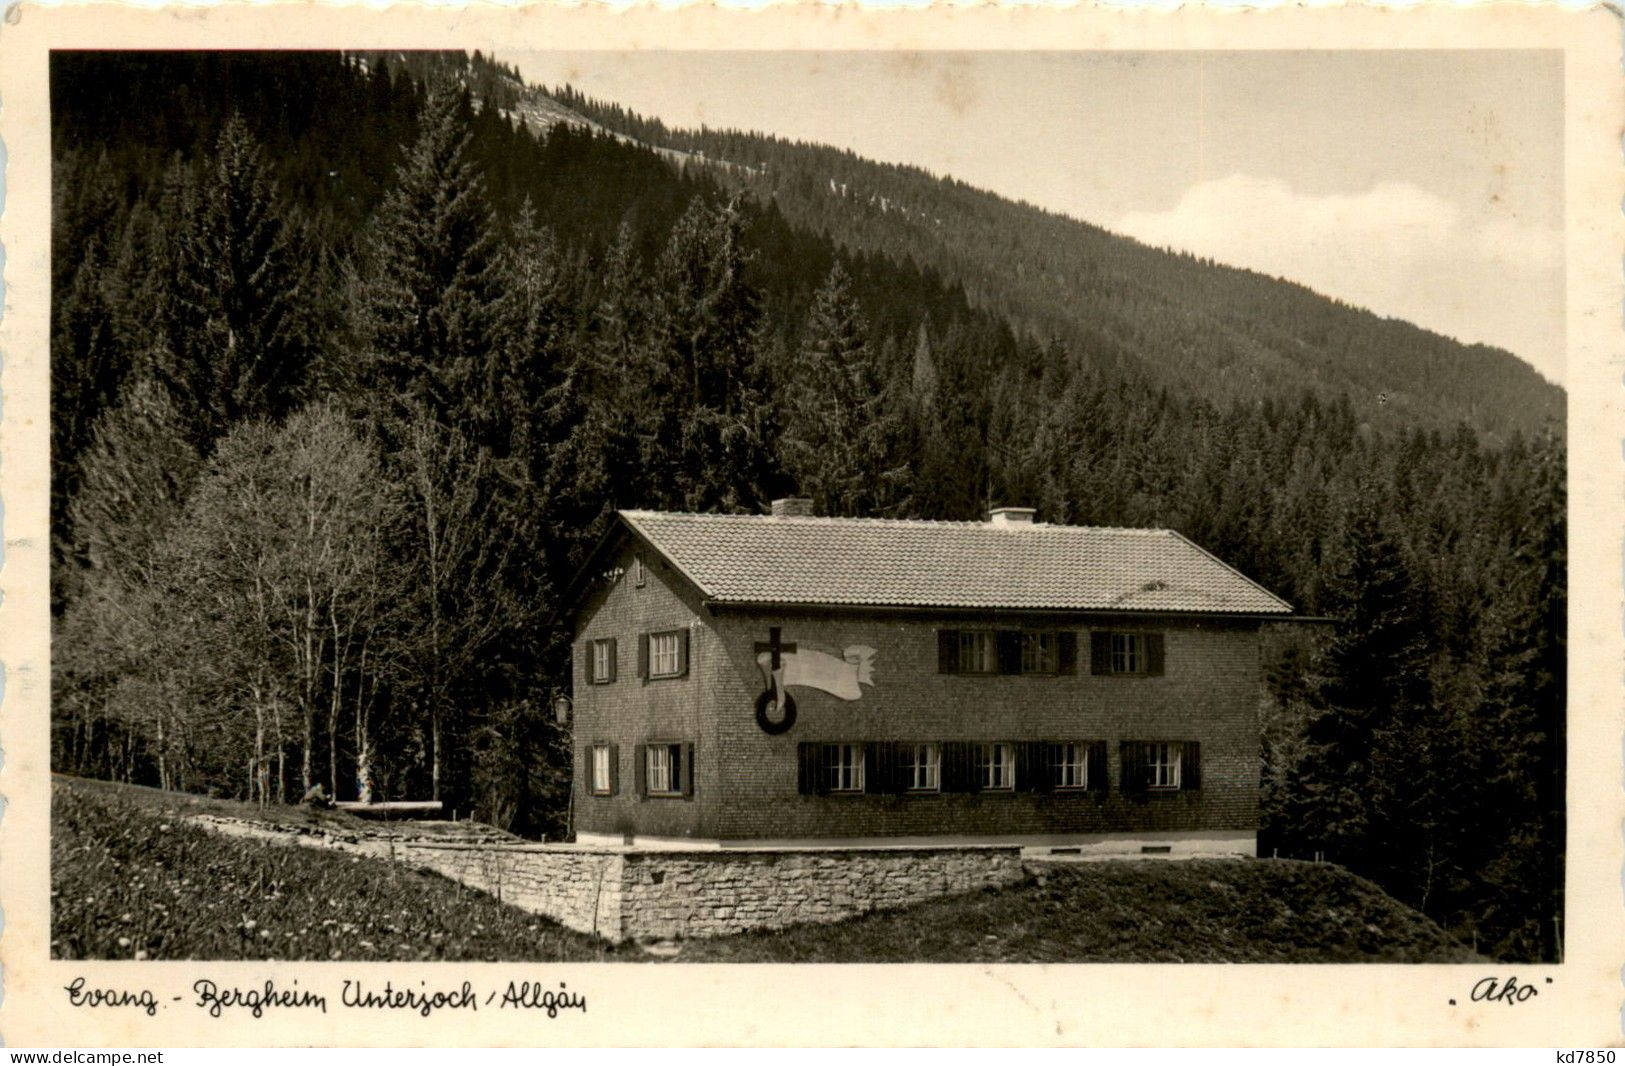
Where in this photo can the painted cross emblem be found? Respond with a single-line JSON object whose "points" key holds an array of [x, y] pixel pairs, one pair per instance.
{"points": [[841, 673]]}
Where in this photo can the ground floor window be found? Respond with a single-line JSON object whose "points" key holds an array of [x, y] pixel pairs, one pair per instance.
{"points": [[666, 770], [1072, 765], [844, 764], [998, 766], [603, 781], [924, 768], [1162, 766]]}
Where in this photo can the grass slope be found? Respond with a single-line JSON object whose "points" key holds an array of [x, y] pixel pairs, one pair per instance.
{"points": [[130, 879], [1216, 910]]}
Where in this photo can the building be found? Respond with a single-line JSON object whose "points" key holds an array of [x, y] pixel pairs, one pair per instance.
{"points": [[790, 679]]}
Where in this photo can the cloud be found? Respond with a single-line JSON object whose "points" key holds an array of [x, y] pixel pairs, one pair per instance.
{"points": [[1394, 248]]}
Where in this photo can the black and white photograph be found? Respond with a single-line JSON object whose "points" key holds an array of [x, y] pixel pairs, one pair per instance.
{"points": [[664, 505]]}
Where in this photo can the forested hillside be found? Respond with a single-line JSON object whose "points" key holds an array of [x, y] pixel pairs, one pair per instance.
{"points": [[349, 372], [1197, 328]]}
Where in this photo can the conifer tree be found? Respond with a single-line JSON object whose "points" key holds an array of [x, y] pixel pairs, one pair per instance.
{"points": [[840, 440]]}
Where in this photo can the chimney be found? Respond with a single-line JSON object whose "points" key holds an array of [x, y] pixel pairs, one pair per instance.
{"points": [[793, 507], [1011, 516]]}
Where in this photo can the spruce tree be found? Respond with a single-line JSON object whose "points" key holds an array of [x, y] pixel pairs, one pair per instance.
{"points": [[840, 441]]}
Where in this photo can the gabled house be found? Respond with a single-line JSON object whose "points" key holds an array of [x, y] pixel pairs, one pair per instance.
{"points": [[791, 679]]}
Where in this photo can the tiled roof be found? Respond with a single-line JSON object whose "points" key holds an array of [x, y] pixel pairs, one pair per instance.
{"points": [[760, 559]]}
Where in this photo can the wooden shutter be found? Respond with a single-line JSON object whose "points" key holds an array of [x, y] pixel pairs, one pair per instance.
{"points": [[961, 769], [1033, 769], [1100, 652], [1097, 766], [682, 653], [688, 771], [1190, 766], [640, 767], [947, 651], [1153, 654], [614, 770], [874, 769], [643, 657], [586, 765], [806, 768], [1132, 753], [614, 658], [1008, 642], [901, 759], [1066, 652]]}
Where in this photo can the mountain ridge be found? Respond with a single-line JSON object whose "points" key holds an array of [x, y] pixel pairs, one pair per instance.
{"points": [[1176, 320]]}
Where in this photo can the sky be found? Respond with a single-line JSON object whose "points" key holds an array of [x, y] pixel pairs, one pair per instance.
{"points": [[1424, 185]]}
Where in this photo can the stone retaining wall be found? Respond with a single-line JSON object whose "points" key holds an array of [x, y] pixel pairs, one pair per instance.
{"points": [[626, 893]]}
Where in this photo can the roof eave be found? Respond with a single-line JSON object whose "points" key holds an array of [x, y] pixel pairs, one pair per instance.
{"points": [[719, 604]]}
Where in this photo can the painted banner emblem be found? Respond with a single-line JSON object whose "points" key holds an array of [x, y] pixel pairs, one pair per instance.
{"points": [[785, 664]]}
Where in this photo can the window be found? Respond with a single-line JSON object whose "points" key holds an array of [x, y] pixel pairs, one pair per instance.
{"points": [[603, 661], [924, 768], [1128, 653], [1072, 765], [978, 652], [1162, 766], [1038, 653], [638, 576], [998, 766], [665, 654], [602, 782], [663, 770], [844, 764]]}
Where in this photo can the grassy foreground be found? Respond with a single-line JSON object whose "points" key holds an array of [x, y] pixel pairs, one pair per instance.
{"points": [[131, 879]]}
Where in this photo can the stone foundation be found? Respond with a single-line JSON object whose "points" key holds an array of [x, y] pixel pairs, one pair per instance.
{"points": [[622, 893]]}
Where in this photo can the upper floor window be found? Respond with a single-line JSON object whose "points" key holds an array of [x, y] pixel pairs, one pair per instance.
{"points": [[639, 578], [978, 652], [1038, 652], [1007, 651], [1126, 653], [664, 654], [602, 662], [998, 766]]}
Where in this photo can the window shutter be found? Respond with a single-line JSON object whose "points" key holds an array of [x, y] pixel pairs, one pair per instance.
{"points": [[1153, 654], [1097, 766], [806, 768], [1132, 753], [952, 767], [688, 771], [1190, 766], [614, 770], [826, 768], [682, 653], [947, 651], [643, 657], [1032, 766], [640, 767], [898, 753], [1009, 646], [1100, 652], [586, 767], [614, 658], [874, 768], [1066, 652]]}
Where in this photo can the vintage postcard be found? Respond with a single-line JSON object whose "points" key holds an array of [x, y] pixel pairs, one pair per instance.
{"points": [[554, 525]]}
